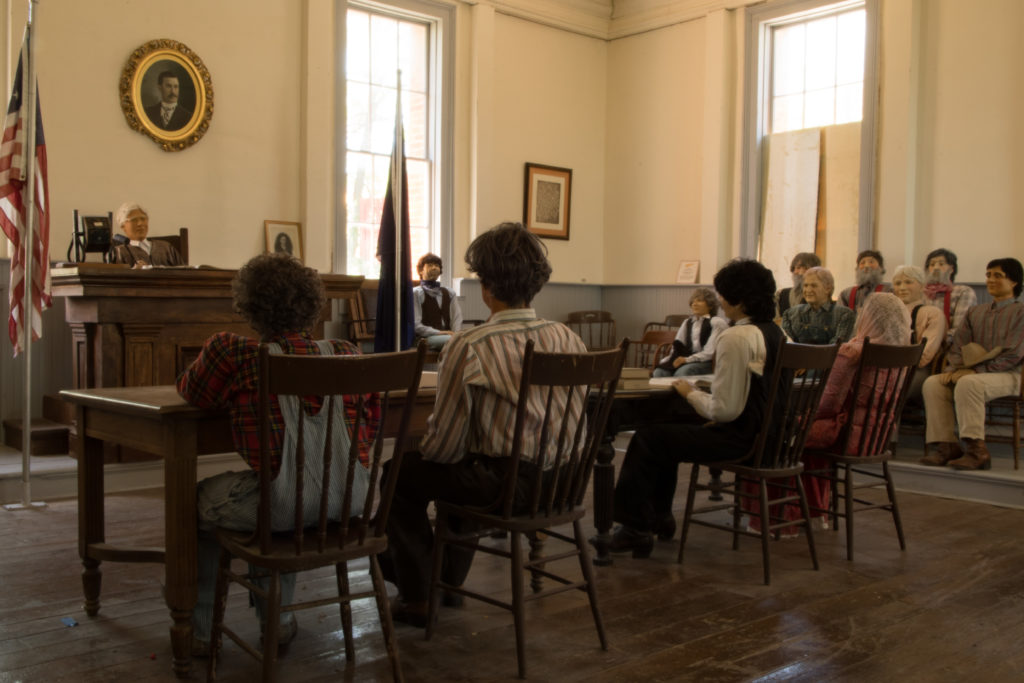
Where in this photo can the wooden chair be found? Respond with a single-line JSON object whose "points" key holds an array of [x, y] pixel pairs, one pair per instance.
{"points": [[179, 242], [584, 380], [595, 328], [775, 456], [882, 378], [1005, 411], [320, 541], [671, 322], [652, 347]]}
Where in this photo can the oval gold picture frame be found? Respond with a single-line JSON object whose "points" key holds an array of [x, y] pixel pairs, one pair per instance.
{"points": [[155, 62]]}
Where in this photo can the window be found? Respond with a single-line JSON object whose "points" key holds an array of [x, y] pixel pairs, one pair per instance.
{"points": [[810, 64], [380, 42], [817, 71]]}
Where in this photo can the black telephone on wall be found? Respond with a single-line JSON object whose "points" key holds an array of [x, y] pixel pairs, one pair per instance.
{"points": [[91, 234]]}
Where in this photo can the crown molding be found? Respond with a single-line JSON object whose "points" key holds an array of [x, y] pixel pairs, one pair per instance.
{"points": [[587, 17], [631, 17]]}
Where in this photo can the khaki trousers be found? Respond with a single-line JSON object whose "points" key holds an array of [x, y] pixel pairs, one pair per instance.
{"points": [[968, 398]]}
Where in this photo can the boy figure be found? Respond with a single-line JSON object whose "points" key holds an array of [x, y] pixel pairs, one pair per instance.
{"points": [[870, 269], [436, 308], [983, 363], [463, 458]]}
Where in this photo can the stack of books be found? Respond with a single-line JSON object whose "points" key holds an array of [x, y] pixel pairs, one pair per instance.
{"points": [[634, 378]]}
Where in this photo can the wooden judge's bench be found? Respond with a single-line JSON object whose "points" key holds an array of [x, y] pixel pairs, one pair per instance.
{"points": [[144, 327]]}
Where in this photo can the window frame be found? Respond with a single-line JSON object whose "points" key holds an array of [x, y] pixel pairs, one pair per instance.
{"points": [[441, 48], [756, 104]]}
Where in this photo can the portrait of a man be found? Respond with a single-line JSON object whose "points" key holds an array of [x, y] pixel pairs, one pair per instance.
{"points": [[170, 112]]}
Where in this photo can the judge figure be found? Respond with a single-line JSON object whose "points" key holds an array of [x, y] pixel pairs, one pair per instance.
{"points": [[139, 251]]}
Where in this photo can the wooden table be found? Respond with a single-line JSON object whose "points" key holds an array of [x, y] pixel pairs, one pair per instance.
{"points": [[156, 420]]}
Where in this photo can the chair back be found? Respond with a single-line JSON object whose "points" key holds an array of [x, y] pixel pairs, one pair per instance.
{"points": [[797, 383], [179, 242], [595, 328], [671, 322], [387, 380], [878, 393], [652, 347], [576, 392]]}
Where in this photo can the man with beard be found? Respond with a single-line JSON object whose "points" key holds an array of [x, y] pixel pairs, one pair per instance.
{"points": [[870, 269], [983, 363], [939, 291], [793, 296]]}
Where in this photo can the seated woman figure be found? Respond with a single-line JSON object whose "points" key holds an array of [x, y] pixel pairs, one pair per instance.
{"points": [[281, 299], [139, 251], [885, 320], [694, 345], [926, 321], [818, 320], [724, 422]]}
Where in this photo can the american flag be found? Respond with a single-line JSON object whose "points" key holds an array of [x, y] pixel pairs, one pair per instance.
{"points": [[13, 199]]}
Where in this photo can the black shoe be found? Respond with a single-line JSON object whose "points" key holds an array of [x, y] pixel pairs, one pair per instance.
{"points": [[414, 614], [624, 539], [666, 529]]}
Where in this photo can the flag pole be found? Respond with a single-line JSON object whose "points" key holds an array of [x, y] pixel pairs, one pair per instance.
{"points": [[396, 202], [28, 246]]}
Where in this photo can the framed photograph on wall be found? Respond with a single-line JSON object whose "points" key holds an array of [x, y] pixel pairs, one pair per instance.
{"points": [[284, 236], [546, 200], [167, 93]]}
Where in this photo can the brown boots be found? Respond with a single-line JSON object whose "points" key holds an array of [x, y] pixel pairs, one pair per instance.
{"points": [[976, 456], [940, 453]]}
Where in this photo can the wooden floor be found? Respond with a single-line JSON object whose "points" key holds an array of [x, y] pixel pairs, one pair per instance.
{"points": [[951, 608]]}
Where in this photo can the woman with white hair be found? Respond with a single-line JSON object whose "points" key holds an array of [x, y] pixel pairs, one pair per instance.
{"points": [[818, 320], [926, 321], [139, 251]]}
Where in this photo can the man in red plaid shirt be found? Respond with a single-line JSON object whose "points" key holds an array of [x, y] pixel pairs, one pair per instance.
{"points": [[281, 299]]}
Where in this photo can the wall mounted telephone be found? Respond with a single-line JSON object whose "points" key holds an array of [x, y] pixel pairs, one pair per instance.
{"points": [[91, 234]]}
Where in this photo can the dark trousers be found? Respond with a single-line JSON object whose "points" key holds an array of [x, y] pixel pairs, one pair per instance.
{"points": [[647, 482], [476, 480]]}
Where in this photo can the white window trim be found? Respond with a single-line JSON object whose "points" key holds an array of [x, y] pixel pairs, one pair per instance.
{"points": [[442, 50], [755, 101]]}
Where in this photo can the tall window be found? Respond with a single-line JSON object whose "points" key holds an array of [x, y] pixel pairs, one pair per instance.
{"points": [[378, 46], [817, 70]]}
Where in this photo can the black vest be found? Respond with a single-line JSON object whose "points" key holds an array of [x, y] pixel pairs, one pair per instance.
{"points": [[440, 318], [685, 349]]}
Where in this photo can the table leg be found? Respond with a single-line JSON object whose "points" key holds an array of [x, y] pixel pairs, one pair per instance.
{"points": [[181, 539], [715, 483], [604, 498], [90, 512]]}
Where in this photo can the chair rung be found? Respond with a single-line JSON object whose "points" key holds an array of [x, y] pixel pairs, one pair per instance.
{"points": [[713, 508], [576, 585], [241, 642], [476, 596], [550, 558]]}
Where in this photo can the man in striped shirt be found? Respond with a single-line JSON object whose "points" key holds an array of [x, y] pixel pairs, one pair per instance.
{"points": [[464, 455], [997, 325]]}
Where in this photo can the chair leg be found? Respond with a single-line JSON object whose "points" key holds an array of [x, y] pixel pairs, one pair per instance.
{"points": [[833, 503], [387, 627], [893, 505], [690, 493], [518, 602], [271, 627], [536, 539], [765, 530], [1016, 436], [807, 520], [737, 512], [341, 572], [220, 601], [434, 596], [848, 500], [583, 550]]}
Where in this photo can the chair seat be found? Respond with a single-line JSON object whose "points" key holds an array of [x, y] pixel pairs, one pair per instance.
{"points": [[517, 523], [758, 472], [282, 555]]}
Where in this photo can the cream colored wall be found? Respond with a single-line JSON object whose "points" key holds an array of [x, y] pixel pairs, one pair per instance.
{"points": [[953, 129], [652, 186], [549, 94], [247, 167]]}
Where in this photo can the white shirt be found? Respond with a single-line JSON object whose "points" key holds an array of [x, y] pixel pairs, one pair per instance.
{"points": [[741, 351], [145, 245]]}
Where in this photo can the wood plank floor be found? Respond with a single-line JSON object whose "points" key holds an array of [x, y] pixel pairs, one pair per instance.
{"points": [[951, 608]]}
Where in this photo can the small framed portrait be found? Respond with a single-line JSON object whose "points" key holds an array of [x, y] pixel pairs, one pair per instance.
{"points": [[167, 94], [546, 200], [284, 236]]}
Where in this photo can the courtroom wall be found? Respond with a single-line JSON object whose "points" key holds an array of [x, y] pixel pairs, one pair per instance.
{"points": [[247, 167], [959, 182], [652, 197]]}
